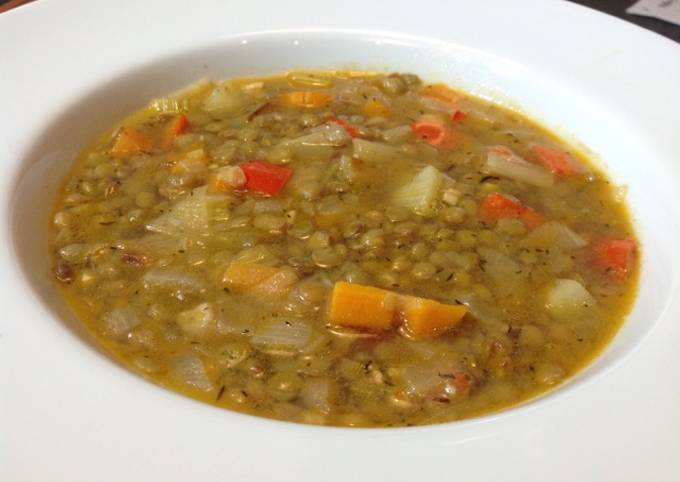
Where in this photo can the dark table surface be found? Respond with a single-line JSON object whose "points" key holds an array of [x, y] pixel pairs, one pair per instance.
{"points": [[612, 7], [618, 9]]}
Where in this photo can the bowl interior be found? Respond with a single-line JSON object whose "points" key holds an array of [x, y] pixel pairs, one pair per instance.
{"points": [[572, 113]]}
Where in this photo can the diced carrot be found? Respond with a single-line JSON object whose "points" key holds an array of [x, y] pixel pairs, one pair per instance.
{"points": [[426, 318], [431, 129], [130, 141], [615, 257], [265, 178], [441, 92], [375, 309], [351, 130], [458, 116], [375, 108], [497, 206], [360, 306], [259, 279], [304, 99], [559, 162]]}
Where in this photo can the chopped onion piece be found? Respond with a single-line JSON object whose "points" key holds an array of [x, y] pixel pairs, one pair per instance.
{"points": [[238, 316], [350, 334], [188, 216], [154, 244], [197, 320], [396, 135], [119, 322], [282, 335], [504, 270], [356, 93], [310, 147], [257, 254], [554, 233], [567, 297], [479, 309], [501, 161], [188, 369], [317, 394], [79, 251], [232, 324], [432, 378], [334, 133], [374, 151], [330, 134], [420, 194], [171, 280], [223, 101]]}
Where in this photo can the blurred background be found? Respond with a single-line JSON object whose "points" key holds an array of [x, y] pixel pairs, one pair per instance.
{"points": [[612, 7]]}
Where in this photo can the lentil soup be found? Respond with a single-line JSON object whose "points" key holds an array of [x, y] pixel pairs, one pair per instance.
{"points": [[343, 248]]}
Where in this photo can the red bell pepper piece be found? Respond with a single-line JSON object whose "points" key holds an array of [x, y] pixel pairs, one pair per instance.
{"points": [[179, 125], [458, 116], [265, 178], [557, 161], [615, 256]]}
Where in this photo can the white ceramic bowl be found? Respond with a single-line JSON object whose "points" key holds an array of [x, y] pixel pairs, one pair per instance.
{"points": [[69, 413]]}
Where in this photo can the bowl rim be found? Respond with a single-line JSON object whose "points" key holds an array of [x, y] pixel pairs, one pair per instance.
{"points": [[591, 372]]}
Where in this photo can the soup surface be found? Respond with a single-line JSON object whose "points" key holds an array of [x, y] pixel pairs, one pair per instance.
{"points": [[343, 248]]}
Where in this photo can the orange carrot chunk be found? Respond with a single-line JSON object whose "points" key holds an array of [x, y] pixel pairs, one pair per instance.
{"points": [[559, 162], [426, 318], [130, 141], [497, 206], [615, 257], [375, 309], [360, 306], [430, 129]]}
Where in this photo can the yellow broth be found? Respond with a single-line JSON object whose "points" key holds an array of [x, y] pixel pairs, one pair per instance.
{"points": [[391, 186]]}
